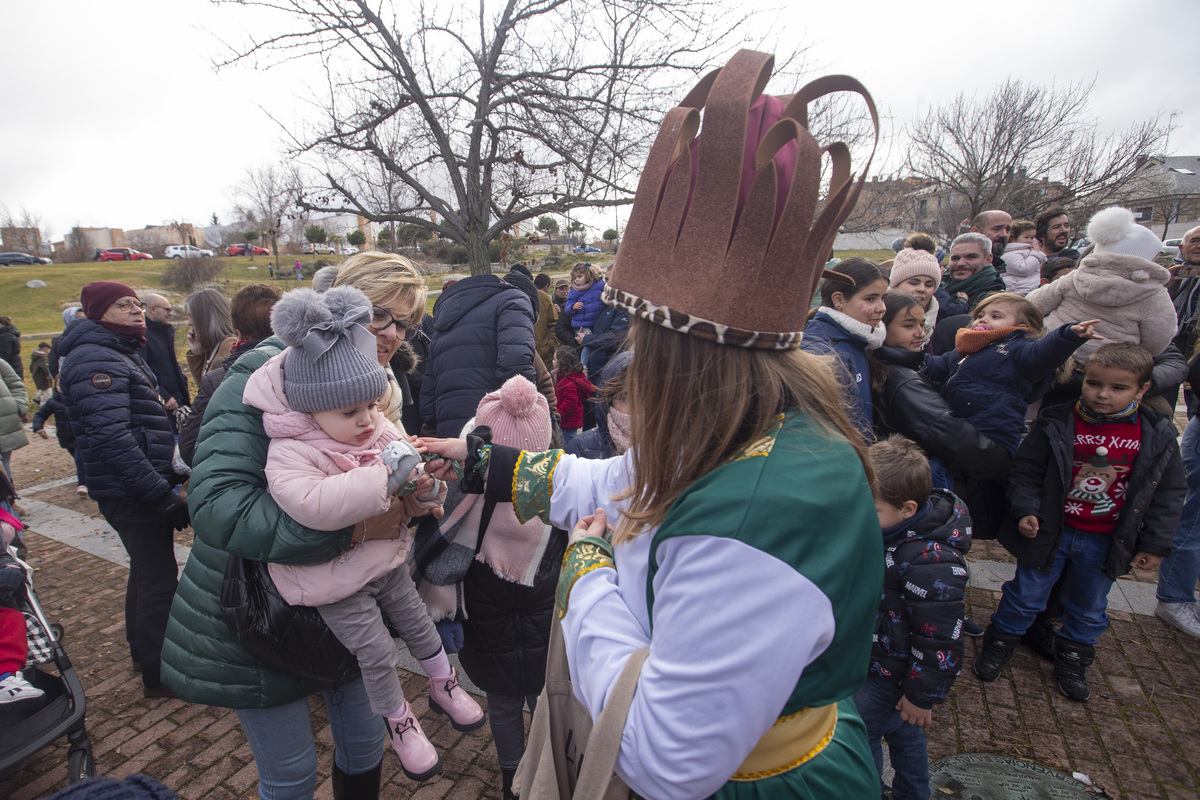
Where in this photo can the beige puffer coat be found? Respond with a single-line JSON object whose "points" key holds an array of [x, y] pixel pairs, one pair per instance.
{"points": [[1126, 293]]}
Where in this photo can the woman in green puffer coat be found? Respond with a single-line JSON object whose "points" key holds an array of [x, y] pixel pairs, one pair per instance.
{"points": [[14, 408], [232, 513]]}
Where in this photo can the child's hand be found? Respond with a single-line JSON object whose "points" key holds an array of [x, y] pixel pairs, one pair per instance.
{"points": [[42, 433], [1028, 526], [913, 714], [442, 468], [1087, 330], [577, 307], [963, 295], [1144, 560], [592, 525]]}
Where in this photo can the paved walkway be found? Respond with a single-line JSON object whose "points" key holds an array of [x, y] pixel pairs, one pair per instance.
{"points": [[1139, 736]]}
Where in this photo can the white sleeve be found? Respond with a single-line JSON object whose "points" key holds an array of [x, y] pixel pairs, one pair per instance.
{"points": [[581, 485], [734, 629]]}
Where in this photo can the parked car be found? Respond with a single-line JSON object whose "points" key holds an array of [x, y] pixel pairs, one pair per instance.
{"points": [[123, 254], [13, 259], [186, 251], [1171, 247], [317, 249], [240, 250], [348, 250]]}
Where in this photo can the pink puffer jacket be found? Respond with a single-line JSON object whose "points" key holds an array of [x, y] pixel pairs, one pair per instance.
{"points": [[326, 485]]}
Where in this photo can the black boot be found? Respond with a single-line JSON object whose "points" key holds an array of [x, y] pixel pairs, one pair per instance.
{"points": [[1040, 638], [1070, 667], [998, 648], [359, 786], [506, 775]]}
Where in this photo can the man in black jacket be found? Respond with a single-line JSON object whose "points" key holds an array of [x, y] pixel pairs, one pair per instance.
{"points": [[160, 353]]}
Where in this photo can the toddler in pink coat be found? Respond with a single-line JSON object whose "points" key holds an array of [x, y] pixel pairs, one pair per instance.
{"points": [[334, 461]]}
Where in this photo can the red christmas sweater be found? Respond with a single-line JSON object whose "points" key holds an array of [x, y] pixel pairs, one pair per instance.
{"points": [[1104, 455]]}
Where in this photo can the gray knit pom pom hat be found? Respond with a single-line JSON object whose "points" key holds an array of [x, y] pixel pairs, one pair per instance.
{"points": [[331, 359]]}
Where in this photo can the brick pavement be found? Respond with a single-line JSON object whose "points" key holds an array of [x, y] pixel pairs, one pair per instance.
{"points": [[1139, 736]]}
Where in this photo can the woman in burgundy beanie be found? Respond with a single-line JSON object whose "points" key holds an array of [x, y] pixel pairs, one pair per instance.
{"points": [[127, 444]]}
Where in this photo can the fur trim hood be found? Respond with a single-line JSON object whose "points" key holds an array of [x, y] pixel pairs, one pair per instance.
{"points": [[1115, 279]]}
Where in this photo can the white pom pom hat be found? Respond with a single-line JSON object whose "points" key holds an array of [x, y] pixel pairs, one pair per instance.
{"points": [[1114, 230]]}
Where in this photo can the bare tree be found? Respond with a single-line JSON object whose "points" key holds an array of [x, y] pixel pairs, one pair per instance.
{"points": [[264, 199], [465, 119], [78, 246], [23, 233], [1025, 147]]}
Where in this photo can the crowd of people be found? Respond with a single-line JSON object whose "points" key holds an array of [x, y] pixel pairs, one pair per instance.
{"points": [[655, 457]]}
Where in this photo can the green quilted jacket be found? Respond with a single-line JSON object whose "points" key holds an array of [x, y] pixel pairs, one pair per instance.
{"points": [[233, 513]]}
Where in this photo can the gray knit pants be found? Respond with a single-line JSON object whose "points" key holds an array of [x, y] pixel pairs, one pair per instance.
{"points": [[358, 625]]}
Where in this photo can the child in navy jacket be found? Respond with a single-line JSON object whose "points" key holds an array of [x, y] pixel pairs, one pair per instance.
{"points": [[1002, 363], [917, 648]]}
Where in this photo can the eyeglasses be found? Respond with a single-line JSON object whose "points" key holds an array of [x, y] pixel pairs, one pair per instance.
{"points": [[130, 305], [381, 319]]}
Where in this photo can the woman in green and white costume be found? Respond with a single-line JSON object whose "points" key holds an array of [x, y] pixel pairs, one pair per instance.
{"points": [[746, 552]]}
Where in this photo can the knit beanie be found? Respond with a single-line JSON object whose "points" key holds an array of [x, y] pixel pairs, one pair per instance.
{"points": [[331, 360], [1114, 230], [97, 296], [910, 263], [518, 415]]}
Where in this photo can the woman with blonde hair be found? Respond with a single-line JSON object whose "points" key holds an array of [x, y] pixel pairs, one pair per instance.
{"points": [[746, 555], [234, 514]]}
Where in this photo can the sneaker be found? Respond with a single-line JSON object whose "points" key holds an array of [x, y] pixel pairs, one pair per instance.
{"points": [[15, 689], [448, 698], [419, 760], [1183, 617], [971, 628], [81, 490]]}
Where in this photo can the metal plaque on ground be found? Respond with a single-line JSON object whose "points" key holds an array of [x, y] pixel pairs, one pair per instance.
{"points": [[982, 776]]}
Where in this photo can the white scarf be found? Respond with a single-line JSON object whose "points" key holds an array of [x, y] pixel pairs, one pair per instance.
{"points": [[874, 337]]}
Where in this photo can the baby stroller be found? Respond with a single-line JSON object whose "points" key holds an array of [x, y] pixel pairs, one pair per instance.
{"points": [[29, 726]]}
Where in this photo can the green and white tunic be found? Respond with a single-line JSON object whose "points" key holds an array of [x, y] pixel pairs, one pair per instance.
{"points": [[757, 596]]}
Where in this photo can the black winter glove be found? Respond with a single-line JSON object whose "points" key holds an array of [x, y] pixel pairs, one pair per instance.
{"points": [[174, 511]]}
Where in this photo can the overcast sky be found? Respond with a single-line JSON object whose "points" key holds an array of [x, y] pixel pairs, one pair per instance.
{"points": [[115, 117]]}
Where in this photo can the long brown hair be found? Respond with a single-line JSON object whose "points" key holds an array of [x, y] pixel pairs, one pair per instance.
{"points": [[694, 404]]}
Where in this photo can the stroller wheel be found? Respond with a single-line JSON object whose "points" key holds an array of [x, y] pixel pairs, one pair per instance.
{"points": [[80, 765], [57, 630]]}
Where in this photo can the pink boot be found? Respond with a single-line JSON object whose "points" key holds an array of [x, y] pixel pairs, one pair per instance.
{"points": [[447, 697], [418, 758]]}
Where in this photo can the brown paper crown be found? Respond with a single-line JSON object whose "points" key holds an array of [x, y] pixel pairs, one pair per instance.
{"points": [[725, 241]]}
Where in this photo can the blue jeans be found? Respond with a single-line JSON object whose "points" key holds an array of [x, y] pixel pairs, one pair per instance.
{"points": [[282, 740], [876, 703], [1178, 573], [941, 476], [1084, 591]]}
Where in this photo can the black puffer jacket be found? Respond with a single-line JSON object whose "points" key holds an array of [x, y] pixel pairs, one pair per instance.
{"points": [[918, 642], [53, 407], [909, 404], [507, 630], [1042, 472], [116, 415], [10, 348], [482, 336], [607, 335]]}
